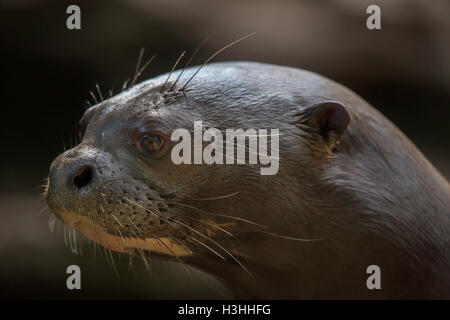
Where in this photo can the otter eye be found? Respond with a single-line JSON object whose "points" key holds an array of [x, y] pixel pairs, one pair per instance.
{"points": [[150, 143]]}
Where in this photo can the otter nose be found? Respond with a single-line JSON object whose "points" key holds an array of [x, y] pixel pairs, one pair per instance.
{"points": [[72, 178], [82, 176], [72, 171]]}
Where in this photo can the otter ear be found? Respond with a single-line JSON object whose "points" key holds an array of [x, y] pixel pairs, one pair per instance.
{"points": [[330, 119]]}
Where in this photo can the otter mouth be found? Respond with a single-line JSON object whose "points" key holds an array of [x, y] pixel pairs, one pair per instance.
{"points": [[97, 234]]}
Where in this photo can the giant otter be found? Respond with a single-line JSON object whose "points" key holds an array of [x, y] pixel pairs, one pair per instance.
{"points": [[351, 190]]}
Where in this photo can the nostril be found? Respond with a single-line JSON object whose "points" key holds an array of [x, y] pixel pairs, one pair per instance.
{"points": [[82, 178]]}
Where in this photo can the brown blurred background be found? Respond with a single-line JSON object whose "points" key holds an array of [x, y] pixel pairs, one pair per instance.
{"points": [[47, 72]]}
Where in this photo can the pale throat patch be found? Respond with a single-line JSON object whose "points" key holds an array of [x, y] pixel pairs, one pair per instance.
{"points": [[118, 243]]}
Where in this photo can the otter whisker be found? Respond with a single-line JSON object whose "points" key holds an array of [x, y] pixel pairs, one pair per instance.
{"points": [[80, 244], [125, 85], [146, 209], [45, 183], [173, 68], [291, 238], [147, 263], [73, 241], [212, 198], [136, 76], [113, 263], [174, 254], [212, 225], [51, 222], [203, 280], [90, 219], [215, 242], [191, 271], [100, 95], [178, 241], [54, 223], [137, 229], [93, 96], [42, 210], [137, 236], [215, 54], [95, 248], [110, 261], [138, 64], [130, 263], [107, 258], [120, 233], [116, 219], [65, 235], [69, 236], [220, 215], [104, 198], [58, 226], [116, 271], [206, 246], [189, 62]]}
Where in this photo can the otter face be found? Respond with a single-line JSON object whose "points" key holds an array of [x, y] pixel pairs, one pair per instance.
{"points": [[118, 186]]}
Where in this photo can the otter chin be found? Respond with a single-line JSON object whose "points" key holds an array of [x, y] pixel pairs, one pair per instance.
{"points": [[117, 243], [350, 190]]}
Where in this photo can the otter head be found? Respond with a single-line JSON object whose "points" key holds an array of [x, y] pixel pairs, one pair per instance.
{"points": [[121, 188]]}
